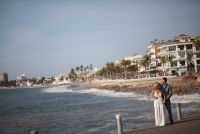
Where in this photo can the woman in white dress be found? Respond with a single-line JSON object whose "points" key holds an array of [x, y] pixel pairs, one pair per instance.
{"points": [[159, 99]]}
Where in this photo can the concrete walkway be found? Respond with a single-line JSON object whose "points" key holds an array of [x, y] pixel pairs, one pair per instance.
{"points": [[189, 125]]}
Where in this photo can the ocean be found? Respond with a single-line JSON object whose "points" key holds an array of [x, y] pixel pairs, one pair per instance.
{"points": [[63, 110]]}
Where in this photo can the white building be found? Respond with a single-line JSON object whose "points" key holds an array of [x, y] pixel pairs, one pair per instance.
{"points": [[21, 80], [135, 59], [61, 79], [152, 51], [179, 48]]}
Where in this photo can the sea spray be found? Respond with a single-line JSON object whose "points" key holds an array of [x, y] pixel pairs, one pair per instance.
{"points": [[188, 98], [110, 93]]}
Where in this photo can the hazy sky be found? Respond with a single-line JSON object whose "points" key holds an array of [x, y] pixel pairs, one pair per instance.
{"points": [[49, 37]]}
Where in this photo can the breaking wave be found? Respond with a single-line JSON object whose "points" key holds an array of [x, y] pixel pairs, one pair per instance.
{"points": [[110, 93], [94, 91], [57, 89], [185, 98]]}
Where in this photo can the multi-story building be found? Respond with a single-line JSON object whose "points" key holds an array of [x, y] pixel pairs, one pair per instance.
{"points": [[61, 79], [153, 51], [21, 80], [135, 59], [4, 77], [184, 55]]}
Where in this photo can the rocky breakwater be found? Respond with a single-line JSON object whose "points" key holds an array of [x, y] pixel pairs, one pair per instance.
{"points": [[145, 86]]}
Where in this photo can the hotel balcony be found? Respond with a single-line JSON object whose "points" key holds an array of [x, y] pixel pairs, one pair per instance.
{"points": [[181, 57]]}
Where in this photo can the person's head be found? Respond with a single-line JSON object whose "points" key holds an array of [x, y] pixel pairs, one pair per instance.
{"points": [[157, 87], [164, 80], [155, 84]]}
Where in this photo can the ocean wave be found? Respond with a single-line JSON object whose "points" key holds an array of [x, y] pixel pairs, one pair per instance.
{"points": [[94, 91], [110, 93], [174, 99], [57, 89], [185, 98]]}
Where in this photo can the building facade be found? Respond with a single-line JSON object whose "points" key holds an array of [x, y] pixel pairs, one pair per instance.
{"points": [[153, 51], [135, 59], [4, 77], [180, 55], [21, 80]]}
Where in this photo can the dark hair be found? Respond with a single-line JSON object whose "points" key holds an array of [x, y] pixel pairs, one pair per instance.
{"points": [[164, 78], [159, 85]]}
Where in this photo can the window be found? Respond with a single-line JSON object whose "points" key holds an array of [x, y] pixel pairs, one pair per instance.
{"points": [[198, 55], [174, 63], [198, 61], [181, 47], [164, 49], [182, 63], [189, 46], [172, 48]]}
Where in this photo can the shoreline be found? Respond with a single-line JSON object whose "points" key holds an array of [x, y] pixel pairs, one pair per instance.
{"points": [[143, 86], [33, 87]]}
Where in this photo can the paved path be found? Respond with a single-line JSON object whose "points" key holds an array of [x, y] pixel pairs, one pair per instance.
{"points": [[190, 125]]}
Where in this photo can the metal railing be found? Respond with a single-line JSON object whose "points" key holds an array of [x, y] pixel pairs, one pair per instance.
{"points": [[119, 120]]}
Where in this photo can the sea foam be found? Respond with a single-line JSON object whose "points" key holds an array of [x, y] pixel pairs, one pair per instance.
{"points": [[185, 98], [110, 93], [57, 89]]}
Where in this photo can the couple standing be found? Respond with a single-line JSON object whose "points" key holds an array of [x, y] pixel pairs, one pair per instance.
{"points": [[161, 95]]}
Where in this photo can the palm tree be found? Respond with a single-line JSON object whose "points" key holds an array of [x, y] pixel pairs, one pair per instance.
{"points": [[146, 61], [169, 59], [91, 67], [125, 64], [196, 44], [77, 70], [132, 68], [163, 60], [189, 56], [110, 68], [81, 68], [118, 71], [189, 59], [87, 67], [85, 72], [102, 72], [72, 75]]}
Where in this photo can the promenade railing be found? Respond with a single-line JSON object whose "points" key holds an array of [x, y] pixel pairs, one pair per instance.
{"points": [[119, 120]]}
